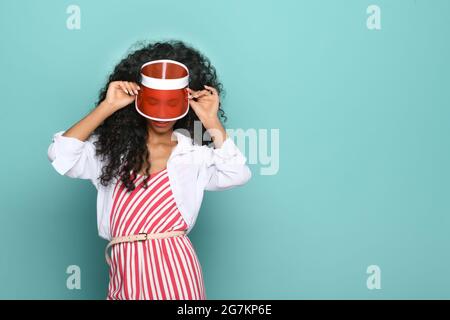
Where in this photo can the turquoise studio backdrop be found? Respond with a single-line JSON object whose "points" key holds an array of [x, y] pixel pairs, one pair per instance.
{"points": [[351, 200]]}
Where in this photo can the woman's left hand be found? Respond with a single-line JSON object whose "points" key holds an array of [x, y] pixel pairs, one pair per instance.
{"points": [[207, 104]]}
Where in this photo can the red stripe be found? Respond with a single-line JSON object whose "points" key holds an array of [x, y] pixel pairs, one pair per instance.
{"points": [[137, 272], [183, 272], [159, 273]]}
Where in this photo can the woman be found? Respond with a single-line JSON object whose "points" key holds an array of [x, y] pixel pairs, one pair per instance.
{"points": [[151, 174]]}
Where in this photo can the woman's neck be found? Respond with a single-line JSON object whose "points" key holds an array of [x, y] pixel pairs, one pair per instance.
{"points": [[159, 137]]}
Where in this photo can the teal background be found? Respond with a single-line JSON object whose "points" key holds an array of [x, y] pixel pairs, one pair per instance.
{"points": [[364, 144]]}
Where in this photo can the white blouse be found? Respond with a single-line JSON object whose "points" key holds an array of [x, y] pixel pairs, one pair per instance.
{"points": [[192, 169]]}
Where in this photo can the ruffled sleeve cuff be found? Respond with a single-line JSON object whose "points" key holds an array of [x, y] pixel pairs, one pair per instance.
{"points": [[64, 152], [228, 153]]}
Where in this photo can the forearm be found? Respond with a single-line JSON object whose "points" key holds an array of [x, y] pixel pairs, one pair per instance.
{"points": [[83, 128], [216, 131]]}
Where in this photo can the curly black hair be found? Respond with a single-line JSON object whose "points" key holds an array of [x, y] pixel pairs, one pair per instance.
{"points": [[122, 137]]}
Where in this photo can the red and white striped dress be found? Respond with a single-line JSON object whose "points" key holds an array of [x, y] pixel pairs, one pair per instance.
{"points": [[155, 269]]}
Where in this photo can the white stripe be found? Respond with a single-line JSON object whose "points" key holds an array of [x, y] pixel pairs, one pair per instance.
{"points": [[164, 65], [186, 269], [171, 267], [112, 270], [122, 261], [161, 264], [128, 271], [164, 84], [116, 271], [174, 271], [199, 272], [144, 277], [149, 269], [182, 245], [117, 276], [133, 267], [153, 265], [169, 281]]}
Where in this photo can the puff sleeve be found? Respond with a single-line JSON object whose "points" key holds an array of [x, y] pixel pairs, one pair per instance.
{"points": [[226, 167], [74, 158]]}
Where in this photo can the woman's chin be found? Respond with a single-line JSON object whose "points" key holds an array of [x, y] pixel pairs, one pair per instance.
{"points": [[161, 126]]}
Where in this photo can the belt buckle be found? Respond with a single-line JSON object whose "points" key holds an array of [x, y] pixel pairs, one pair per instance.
{"points": [[144, 233]]}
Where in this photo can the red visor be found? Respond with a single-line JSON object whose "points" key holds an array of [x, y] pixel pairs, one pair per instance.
{"points": [[163, 95]]}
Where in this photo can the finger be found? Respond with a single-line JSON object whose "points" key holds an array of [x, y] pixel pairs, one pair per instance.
{"points": [[127, 86], [194, 92], [123, 87], [205, 98], [189, 91], [194, 104], [201, 93], [130, 88], [135, 87], [214, 90]]}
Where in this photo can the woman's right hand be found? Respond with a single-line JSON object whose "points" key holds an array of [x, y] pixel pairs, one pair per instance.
{"points": [[121, 93]]}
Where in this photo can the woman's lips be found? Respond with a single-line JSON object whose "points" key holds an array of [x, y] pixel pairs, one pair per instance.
{"points": [[161, 123]]}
